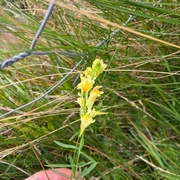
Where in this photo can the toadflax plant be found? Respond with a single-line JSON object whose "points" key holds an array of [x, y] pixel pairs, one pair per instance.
{"points": [[89, 94], [86, 98]]}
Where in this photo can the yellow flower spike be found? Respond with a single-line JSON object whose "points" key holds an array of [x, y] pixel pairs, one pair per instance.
{"points": [[88, 94], [94, 93], [86, 120], [85, 85]]}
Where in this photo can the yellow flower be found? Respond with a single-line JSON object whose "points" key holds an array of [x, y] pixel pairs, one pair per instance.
{"points": [[94, 113], [88, 73], [86, 120], [85, 85], [93, 95], [80, 101], [98, 67]]}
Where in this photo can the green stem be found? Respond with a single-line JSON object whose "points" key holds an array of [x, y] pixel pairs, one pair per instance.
{"points": [[77, 153]]}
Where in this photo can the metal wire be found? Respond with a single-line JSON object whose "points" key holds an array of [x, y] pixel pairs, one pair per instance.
{"points": [[23, 55], [57, 52], [14, 59], [46, 17]]}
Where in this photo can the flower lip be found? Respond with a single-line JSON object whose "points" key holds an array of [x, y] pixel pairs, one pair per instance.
{"points": [[85, 85]]}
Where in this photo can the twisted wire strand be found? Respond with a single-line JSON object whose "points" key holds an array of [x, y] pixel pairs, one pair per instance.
{"points": [[14, 59], [23, 55], [114, 33]]}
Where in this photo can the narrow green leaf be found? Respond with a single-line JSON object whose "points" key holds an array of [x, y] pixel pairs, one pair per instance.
{"points": [[65, 145], [87, 170]]}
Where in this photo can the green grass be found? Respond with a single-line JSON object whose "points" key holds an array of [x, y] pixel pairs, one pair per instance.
{"points": [[139, 138]]}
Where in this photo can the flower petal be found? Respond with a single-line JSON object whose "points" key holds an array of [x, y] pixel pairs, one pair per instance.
{"points": [[85, 85], [86, 120], [93, 95]]}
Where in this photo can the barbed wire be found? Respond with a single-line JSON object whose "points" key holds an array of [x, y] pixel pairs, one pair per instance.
{"points": [[25, 54]]}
